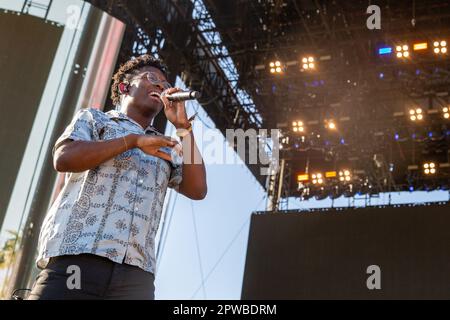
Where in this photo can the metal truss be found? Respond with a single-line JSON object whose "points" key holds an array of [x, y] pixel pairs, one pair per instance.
{"points": [[43, 6]]}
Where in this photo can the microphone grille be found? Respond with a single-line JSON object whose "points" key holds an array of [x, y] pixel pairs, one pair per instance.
{"points": [[195, 94]]}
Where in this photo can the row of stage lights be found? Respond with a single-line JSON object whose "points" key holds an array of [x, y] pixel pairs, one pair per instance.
{"points": [[298, 126], [319, 178], [417, 114], [345, 176], [403, 50], [307, 63]]}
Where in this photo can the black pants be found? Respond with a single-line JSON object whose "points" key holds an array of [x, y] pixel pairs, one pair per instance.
{"points": [[100, 279]]}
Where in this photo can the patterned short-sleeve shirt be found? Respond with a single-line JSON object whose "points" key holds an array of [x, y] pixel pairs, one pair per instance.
{"points": [[112, 210]]}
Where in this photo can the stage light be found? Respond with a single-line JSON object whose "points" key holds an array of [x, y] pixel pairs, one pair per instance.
{"points": [[344, 175], [330, 124], [297, 126], [317, 178], [420, 46], [330, 174], [440, 47], [275, 67], [445, 112], [402, 51], [302, 177], [308, 63], [429, 168], [384, 50], [415, 114]]}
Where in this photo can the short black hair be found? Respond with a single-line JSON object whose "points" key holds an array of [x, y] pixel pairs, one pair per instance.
{"points": [[129, 68]]}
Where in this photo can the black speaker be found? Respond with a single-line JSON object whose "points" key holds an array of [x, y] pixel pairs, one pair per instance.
{"points": [[367, 253]]}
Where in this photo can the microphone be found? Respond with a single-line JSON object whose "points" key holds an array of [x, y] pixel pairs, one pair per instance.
{"points": [[183, 96]]}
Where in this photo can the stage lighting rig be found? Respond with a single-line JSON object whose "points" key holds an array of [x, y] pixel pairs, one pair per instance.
{"points": [[415, 114], [402, 51], [317, 178], [275, 67], [308, 63], [429, 168], [445, 113], [344, 175], [297, 126], [440, 47], [420, 46], [330, 124]]}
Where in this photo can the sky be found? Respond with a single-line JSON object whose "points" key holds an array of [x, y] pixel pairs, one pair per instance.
{"points": [[204, 243]]}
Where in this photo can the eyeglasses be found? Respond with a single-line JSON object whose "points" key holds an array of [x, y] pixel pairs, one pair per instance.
{"points": [[154, 80]]}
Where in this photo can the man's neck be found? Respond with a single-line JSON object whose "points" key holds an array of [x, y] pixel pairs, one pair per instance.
{"points": [[144, 119]]}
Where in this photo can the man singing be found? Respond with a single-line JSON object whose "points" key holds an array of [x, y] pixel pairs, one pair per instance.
{"points": [[104, 221]]}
